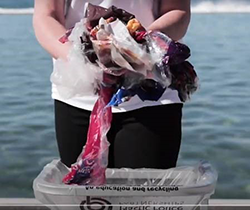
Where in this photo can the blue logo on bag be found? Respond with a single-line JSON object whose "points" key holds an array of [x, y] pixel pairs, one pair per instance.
{"points": [[95, 204]]}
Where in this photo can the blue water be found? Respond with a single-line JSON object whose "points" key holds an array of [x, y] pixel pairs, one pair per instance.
{"points": [[16, 4], [215, 123], [30, 3]]}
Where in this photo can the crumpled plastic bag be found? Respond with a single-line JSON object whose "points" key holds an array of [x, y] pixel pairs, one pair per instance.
{"points": [[92, 163], [76, 76]]}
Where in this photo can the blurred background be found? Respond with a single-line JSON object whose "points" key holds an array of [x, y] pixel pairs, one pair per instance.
{"points": [[215, 122]]}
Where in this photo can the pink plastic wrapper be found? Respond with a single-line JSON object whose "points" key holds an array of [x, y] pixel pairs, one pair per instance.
{"points": [[92, 163]]}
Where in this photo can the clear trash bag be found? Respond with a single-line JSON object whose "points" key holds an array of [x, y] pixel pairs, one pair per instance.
{"points": [[149, 188]]}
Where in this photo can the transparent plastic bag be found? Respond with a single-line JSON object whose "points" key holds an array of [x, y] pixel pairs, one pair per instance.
{"points": [[77, 76], [133, 52], [117, 53], [185, 186], [185, 176], [102, 49]]}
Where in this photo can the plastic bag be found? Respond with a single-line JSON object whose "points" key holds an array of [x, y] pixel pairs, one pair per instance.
{"points": [[178, 188], [128, 47], [184, 79], [109, 47], [77, 76], [92, 163]]}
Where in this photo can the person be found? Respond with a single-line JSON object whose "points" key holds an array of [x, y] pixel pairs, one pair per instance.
{"points": [[143, 134]]}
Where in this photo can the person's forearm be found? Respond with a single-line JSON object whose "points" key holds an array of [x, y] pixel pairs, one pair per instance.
{"points": [[174, 24], [48, 31]]}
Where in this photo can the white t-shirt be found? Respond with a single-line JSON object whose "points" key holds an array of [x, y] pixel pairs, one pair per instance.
{"points": [[142, 9]]}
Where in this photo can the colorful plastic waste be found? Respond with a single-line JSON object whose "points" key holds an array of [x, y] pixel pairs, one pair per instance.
{"points": [[119, 59]]}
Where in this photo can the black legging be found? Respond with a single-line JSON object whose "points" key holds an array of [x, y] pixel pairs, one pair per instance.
{"points": [[149, 137]]}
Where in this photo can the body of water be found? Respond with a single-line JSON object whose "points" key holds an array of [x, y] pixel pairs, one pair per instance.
{"points": [[215, 122]]}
